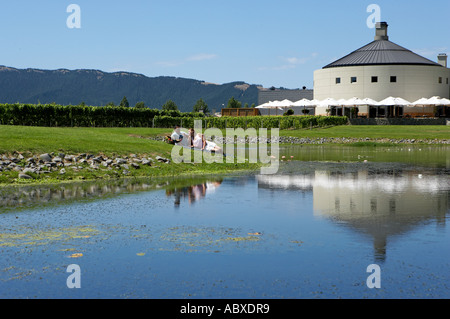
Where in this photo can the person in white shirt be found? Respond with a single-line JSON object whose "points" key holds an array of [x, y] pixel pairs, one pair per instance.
{"points": [[201, 143], [179, 137]]}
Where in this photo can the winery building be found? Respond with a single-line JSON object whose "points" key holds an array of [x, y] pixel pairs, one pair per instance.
{"points": [[383, 69]]}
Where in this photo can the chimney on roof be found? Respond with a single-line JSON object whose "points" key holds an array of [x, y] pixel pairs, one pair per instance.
{"points": [[442, 59], [381, 31]]}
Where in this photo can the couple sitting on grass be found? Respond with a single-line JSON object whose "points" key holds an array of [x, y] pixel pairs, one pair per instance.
{"points": [[192, 140]]}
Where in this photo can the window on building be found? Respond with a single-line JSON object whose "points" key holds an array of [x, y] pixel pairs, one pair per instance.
{"points": [[393, 79], [338, 80], [354, 79], [374, 79], [447, 80], [440, 80]]}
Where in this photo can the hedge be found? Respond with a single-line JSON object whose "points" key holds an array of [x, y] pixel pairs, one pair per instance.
{"points": [[52, 115], [282, 122], [82, 116]]}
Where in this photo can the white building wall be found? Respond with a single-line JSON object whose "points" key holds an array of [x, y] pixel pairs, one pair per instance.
{"points": [[413, 82]]}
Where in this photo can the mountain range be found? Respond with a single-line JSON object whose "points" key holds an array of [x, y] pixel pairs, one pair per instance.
{"points": [[98, 88]]}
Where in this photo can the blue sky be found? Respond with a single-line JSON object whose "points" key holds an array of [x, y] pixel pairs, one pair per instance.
{"points": [[271, 43]]}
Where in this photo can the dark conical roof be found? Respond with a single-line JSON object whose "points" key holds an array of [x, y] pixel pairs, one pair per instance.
{"points": [[382, 52]]}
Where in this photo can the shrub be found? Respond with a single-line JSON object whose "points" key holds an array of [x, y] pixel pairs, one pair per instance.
{"points": [[108, 116]]}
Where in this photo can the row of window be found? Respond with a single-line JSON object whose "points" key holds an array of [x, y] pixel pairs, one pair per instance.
{"points": [[374, 79]]}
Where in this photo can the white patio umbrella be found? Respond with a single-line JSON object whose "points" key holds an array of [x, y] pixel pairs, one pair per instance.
{"points": [[272, 105], [422, 101], [437, 100], [356, 101], [353, 102], [445, 102], [341, 102], [394, 101], [328, 102], [303, 103], [286, 103], [369, 101], [325, 104]]}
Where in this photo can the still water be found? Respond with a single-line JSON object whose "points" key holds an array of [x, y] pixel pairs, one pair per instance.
{"points": [[311, 231]]}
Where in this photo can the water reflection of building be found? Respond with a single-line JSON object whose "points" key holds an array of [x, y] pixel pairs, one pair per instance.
{"points": [[378, 205], [192, 193]]}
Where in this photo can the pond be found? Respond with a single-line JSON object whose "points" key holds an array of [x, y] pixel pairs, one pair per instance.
{"points": [[311, 231]]}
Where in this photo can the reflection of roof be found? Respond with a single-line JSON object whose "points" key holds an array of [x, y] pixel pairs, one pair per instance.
{"points": [[381, 52]]}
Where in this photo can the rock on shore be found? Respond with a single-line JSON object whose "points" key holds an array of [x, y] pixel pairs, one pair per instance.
{"points": [[48, 162]]}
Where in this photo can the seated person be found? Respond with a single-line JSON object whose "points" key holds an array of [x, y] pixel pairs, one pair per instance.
{"points": [[201, 143], [191, 137], [198, 142], [180, 138]]}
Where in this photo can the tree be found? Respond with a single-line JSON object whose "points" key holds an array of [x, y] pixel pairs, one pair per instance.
{"points": [[289, 112], [170, 106], [110, 104], [201, 106], [140, 105], [124, 102], [234, 104]]}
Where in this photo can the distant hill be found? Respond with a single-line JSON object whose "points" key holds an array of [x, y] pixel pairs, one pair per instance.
{"points": [[97, 88]]}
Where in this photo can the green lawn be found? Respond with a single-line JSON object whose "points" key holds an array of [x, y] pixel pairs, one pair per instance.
{"points": [[107, 141], [375, 132], [81, 140], [126, 140]]}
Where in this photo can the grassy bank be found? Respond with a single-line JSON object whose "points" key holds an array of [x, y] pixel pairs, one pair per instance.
{"points": [[108, 142], [397, 132], [122, 142]]}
